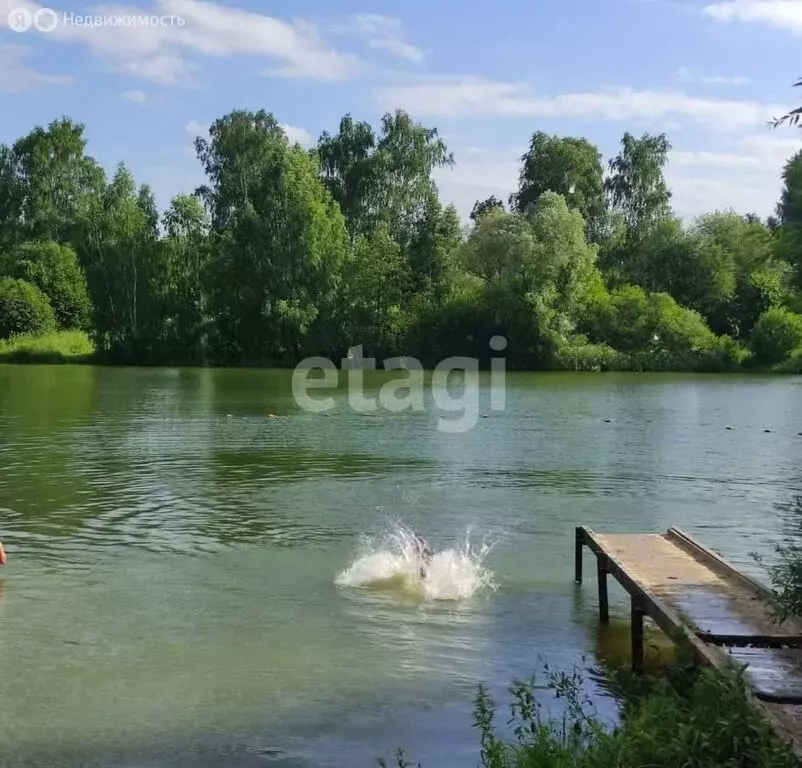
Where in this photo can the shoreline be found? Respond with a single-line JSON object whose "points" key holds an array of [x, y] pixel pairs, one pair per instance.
{"points": [[76, 348]]}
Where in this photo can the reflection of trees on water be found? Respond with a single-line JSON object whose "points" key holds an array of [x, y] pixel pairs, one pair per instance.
{"points": [[250, 497], [609, 648], [613, 647], [186, 459], [171, 460], [41, 482]]}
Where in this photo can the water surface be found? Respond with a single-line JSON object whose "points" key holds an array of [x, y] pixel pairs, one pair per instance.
{"points": [[171, 595]]}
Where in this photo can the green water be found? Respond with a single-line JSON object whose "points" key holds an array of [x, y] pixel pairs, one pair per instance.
{"points": [[170, 597]]}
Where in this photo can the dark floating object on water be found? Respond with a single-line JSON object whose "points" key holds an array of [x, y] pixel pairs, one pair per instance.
{"points": [[607, 421], [767, 430], [730, 428]]}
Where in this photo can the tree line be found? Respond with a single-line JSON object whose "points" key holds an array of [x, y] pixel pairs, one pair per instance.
{"points": [[285, 253]]}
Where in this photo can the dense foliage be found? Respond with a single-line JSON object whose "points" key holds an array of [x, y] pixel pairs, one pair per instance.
{"points": [[285, 253], [55, 271], [23, 309]]}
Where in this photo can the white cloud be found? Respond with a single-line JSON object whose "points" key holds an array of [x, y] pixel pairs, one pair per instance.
{"points": [[686, 75], [761, 153], [194, 129], [479, 97], [746, 176], [165, 70], [478, 173], [138, 97], [772, 146], [778, 13], [385, 33], [398, 48], [720, 160], [168, 53], [17, 76], [299, 136], [694, 194]]}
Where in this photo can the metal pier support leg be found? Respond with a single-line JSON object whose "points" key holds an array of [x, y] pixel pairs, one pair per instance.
{"points": [[601, 571], [578, 541], [637, 635]]}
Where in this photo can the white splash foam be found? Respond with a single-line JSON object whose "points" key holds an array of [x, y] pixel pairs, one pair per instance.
{"points": [[392, 560]]}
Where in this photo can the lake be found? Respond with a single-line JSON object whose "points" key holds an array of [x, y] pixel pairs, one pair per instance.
{"points": [[187, 581]]}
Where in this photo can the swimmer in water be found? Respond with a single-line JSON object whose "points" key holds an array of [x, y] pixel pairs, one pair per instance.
{"points": [[423, 552]]}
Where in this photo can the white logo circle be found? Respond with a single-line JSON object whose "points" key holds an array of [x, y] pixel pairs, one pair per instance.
{"points": [[498, 343], [19, 19], [45, 19]]}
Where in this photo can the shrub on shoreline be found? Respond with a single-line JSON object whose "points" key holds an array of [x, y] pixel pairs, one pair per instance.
{"points": [[661, 727], [23, 309], [786, 574], [56, 347]]}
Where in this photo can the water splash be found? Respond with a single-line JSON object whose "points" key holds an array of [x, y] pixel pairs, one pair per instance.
{"points": [[392, 561]]}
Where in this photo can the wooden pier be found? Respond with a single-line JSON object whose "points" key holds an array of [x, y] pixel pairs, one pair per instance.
{"points": [[723, 614]]}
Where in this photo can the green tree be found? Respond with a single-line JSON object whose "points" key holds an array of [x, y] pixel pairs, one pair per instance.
{"points": [[790, 207], [621, 319], [461, 322], [375, 282], [10, 198], [23, 309], [534, 268], [54, 269], [699, 272], [350, 171], [185, 252], [678, 329], [789, 212], [568, 166], [777, 334], [761, 279], [481, 207], [278, 243], [436, 237], [657, 333], [636, 186], [408, 153], [46, 183], [121, 255], [387, 179], [239, 147]]}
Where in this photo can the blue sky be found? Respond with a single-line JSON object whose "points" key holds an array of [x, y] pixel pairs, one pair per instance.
{"points": [[709, 74]]}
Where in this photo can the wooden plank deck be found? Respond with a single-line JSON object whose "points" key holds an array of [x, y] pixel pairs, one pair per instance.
{"points": [[723, 614]]}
